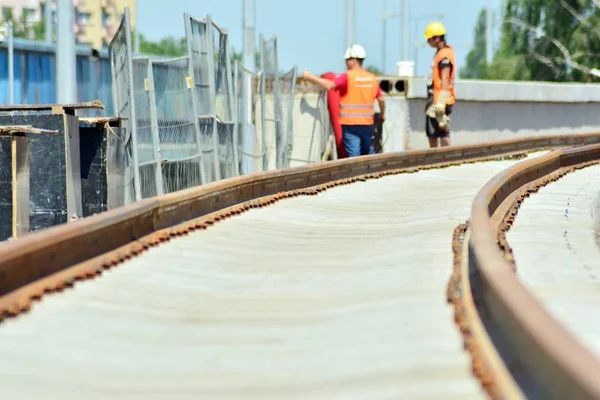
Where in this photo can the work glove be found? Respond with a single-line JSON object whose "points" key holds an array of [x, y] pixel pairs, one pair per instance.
{"points": [[435, 111], [443, 122], [438, 110]]}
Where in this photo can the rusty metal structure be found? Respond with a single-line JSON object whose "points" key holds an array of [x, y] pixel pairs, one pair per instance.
{"points": [[517, 349]]}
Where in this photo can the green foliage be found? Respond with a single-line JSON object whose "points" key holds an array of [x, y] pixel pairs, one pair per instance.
{"points": [[373, 69], [237, 56], [177, 47], [21, 29], [523, 55], [167, 47], [475, 64], [511, 68]]}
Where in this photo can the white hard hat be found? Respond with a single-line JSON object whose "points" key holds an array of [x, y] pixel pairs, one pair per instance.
{"points": [[355, 51]]}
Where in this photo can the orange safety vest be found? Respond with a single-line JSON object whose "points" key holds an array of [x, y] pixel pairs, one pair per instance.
{"points": [[356, 104], [436, 76]]}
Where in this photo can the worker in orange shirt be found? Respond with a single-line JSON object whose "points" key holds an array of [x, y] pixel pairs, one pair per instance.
{"points": [[440, 87], [358, 91]]}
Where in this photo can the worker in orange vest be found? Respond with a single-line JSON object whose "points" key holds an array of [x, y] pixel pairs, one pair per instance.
{"points": [[358, 91], [440, 87]]}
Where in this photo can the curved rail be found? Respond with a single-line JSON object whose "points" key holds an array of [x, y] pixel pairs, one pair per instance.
{"points": [[545, 360], [51, 260]]}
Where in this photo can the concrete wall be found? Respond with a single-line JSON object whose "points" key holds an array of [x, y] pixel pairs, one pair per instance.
{"points": [[485, 111], [488, 111], [473, 122]]}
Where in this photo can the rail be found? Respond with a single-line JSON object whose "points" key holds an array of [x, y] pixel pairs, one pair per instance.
{"points": [[543, 357], [54, 259]]}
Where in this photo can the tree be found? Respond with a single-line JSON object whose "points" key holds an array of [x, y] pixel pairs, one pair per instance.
{"points": [[374, 70], [476, 62], [237, 56], [548, 40], [23, 29], [166, 47]]}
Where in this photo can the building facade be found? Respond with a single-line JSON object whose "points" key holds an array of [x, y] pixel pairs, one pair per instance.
{"points": [[96, 21]]}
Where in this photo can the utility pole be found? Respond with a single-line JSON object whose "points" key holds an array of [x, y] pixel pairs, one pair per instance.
{"points": [[248, 62], [65, 53], [350, 22], [136, 50], [405, 30], [48, 20], [489, 33], [383, 44], [384, 19]]}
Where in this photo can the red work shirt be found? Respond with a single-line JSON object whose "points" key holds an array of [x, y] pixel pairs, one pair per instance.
{"points": [[341, 83]]}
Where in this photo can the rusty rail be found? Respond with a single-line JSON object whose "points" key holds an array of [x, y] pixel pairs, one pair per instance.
{"points": [[544, 359], [53, 259]]}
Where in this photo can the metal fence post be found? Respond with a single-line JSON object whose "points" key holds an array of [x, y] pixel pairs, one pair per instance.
{"points": [[114, 82], [192, 86], [234, 110], [289, 140], [132, 116], [263, 103], [232, 107], [279, 139], [212, 95], [122, 82], [154, 127]]}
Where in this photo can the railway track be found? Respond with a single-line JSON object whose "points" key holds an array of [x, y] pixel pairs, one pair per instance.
{"points": [[557, 257], [334, 296]]}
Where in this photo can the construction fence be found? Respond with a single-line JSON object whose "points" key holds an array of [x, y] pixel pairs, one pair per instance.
{"points": [[192, 120]]}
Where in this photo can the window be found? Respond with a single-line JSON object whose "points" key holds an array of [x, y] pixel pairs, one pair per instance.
{"points": [[105, 18], [83, 17]]}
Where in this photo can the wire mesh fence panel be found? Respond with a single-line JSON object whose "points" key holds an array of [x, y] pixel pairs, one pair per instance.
{"points": [[287, 88], [147, 146], [226, 133], [269, 62], [265, 124], [201, 69], [247, 95], [225, 112], [223, 77], [271, 104], [313, 128], [123, 92], [180, 149], [199, 57]]}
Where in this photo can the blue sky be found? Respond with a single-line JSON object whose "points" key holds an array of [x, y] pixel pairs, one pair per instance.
{"points": [[311, 33]]}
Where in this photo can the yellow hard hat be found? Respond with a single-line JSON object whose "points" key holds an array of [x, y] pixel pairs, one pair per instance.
{"points": [[434, 29]]}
